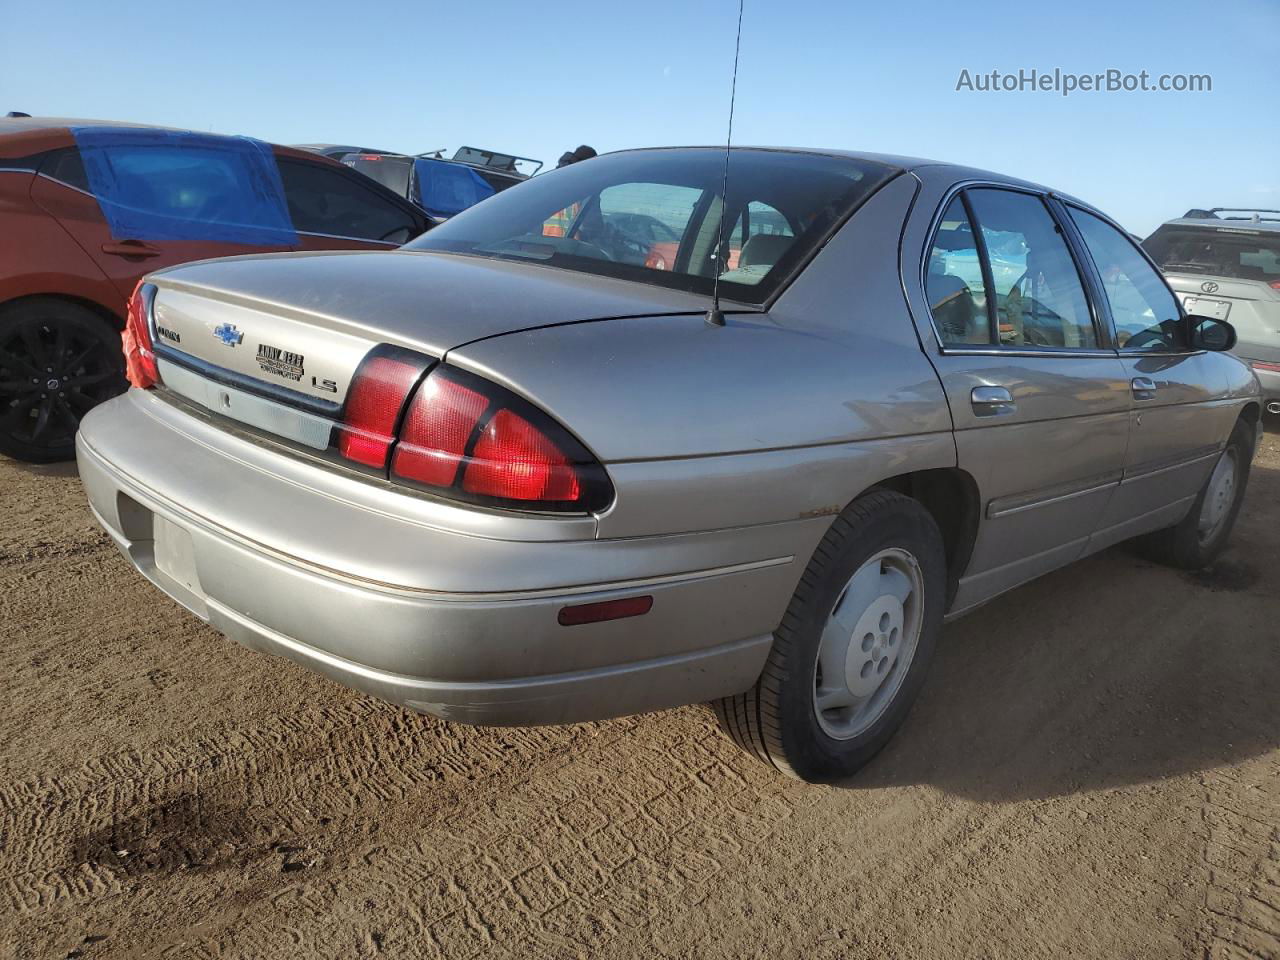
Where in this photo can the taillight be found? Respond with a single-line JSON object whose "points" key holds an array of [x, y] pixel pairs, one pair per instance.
{"points": [[375, 399], [139, 351], [473, 440], [1275, 285], [1263, 365]]}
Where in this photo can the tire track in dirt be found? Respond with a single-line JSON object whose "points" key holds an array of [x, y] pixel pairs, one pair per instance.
{"points": [[1242, 850]]}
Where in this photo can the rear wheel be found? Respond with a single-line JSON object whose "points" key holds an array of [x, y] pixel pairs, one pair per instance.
{"points": [[58, 360], [1205, 530], [853, 648]]}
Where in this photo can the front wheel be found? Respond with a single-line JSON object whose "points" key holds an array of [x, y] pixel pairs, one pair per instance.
{"points": [[1205, 530], [853, 648]]}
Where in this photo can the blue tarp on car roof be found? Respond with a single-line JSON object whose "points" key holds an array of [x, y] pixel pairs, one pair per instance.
{"points": [[165, 186], [446, 188]]}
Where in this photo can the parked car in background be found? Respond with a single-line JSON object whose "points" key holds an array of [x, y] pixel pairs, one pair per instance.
{"points": [[86, 208], [444, 187], [1225, 263], [517, 479], [334, 151]]}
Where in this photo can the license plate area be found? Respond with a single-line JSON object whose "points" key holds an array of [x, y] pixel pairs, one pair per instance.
{"points": [[175, 556], [1207, 307]]}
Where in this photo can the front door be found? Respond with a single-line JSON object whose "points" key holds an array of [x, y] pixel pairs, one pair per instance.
{"points": [[1038, 397], [1180, 412]]}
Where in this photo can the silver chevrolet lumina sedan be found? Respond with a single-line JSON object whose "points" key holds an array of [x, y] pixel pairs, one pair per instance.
{"points": [[519, 472]]}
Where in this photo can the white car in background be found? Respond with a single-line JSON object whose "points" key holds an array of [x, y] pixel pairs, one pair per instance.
{"points": [[1225, 263]]}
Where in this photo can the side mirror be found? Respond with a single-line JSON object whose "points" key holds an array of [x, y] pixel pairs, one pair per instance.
{"points": [[1207, 333]]}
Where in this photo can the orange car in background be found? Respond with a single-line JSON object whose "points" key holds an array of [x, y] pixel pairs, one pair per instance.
{"points": [[87, 208]]}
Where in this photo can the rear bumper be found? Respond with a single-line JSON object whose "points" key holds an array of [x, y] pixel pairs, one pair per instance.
{"points": [[481, 646]]}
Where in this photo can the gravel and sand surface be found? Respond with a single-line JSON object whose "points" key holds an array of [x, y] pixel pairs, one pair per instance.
{"points": [[1093, 770]]}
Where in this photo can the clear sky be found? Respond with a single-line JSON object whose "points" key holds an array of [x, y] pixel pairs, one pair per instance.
{"points": [[539, 78]]}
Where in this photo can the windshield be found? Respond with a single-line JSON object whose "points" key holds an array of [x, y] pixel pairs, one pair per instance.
{"points": [[653, 216], [1235, 252]]}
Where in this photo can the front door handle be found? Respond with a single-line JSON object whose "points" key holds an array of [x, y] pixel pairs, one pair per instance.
{"points": [[130, 248], [992, 401], [1144, 388]]}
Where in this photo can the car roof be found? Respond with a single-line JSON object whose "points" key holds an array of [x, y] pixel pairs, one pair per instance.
{"points": [[25, 128], [1224, 223], [905, 163]]}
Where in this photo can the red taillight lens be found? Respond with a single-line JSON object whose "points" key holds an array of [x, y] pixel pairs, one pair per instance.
{"points": [[139, 351], [1263, 365], [514, 460], [437, 429], [375, 398], [1274, 285], [474, 440]]}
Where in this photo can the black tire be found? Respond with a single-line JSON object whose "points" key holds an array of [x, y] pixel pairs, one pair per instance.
{"points": [[58, 360], [1183, 545], [777, 720]]}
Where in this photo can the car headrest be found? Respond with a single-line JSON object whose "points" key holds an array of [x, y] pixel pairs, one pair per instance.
{"points": [[764, 249]]}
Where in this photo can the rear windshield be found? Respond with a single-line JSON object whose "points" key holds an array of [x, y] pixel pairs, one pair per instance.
{"points": [[653, 216], [391, 172], [1235, 252]]}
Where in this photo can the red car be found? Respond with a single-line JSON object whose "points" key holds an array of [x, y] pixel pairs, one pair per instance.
{"points": [[86, 208]]}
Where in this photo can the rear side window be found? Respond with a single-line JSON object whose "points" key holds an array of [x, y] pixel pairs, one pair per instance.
{"points": [[180, 186], [330, 203], [65, 166], [392, 172], [1234, 252], [1039, 297], [1145, 313], [954, 281]]}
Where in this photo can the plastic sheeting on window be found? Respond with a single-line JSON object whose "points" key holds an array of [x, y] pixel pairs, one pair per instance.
{"points": [[166, 186], [446, 188]]}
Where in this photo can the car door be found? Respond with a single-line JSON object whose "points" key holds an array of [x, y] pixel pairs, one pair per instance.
{"points": [[332, 209], [1179, 403], [1038, 397], [177, 204]]}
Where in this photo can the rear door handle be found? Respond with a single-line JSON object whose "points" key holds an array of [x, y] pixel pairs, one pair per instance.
{"points": [[130, 248], [1144, 388], [992, 401]]}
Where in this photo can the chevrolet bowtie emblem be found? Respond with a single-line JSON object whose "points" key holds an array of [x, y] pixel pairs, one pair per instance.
{"points": [[228, 334]]}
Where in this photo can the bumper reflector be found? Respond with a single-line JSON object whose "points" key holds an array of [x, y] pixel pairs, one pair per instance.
{"points": [[606, 610]]}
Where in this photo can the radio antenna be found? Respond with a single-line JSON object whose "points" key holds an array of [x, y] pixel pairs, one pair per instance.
{"points": [[714, 316]]}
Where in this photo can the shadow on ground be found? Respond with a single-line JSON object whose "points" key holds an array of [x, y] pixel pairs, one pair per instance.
{"points": [[1112, 672]]}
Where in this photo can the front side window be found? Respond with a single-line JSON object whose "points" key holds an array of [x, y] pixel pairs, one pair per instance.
{"points": [[654, 216], [1145, 312], [327, 202], [1039, 297]]}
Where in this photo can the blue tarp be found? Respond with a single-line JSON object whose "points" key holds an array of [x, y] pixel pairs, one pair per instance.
{"points": [[446, 188], [166, 186]]}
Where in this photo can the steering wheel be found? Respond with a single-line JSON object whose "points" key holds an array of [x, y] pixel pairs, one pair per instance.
{"points": [[1145, 338]]}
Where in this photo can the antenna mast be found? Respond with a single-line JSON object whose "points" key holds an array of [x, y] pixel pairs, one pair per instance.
{"points": [[714, 316]]}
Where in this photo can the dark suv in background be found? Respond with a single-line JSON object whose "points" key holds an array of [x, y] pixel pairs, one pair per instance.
{"points": [[87, 208]]}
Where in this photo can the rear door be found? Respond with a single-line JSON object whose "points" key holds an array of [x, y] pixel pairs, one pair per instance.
{"points": [[1037, 394], [335, 208], [1180, 412], [167, 203]]}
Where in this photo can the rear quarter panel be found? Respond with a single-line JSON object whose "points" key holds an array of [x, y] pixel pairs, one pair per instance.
{"points": [[779, 416]]}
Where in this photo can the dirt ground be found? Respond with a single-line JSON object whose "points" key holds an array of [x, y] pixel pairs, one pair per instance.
{"points": [[1093, 770]]}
